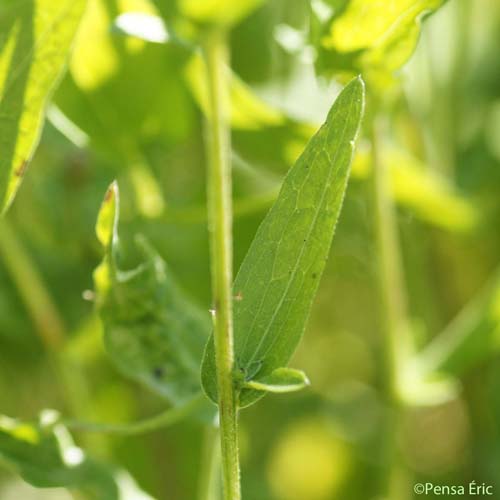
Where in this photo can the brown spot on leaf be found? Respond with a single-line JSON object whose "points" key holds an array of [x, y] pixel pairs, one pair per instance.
{"points": [[109, 194], [238, 297], [21, 169]]}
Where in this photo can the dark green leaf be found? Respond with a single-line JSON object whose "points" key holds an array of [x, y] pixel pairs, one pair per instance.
{"points": [[35, 38], [151, 331], [279, 276]]}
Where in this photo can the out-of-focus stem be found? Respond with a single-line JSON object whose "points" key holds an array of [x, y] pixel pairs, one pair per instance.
{"points": [[392, 291], [165, 419], [392, 307], [209, 482]]}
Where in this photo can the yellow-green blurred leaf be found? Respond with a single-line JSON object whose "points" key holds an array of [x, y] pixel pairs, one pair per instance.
{"points": [[222, 12], [248, 112], [96, 59], [35, 39], [422, 191], [107, 219], [374, 37]]}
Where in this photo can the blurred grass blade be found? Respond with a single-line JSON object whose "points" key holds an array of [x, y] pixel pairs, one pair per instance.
{"points": [[280, 380], [45, 456], [34, 46], [472, 337], [151, 331], [279, 276]]}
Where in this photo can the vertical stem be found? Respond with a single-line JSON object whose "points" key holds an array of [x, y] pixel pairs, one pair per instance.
{"points": [[209, 484], [220, 228], [392, 295], [392, 307]]}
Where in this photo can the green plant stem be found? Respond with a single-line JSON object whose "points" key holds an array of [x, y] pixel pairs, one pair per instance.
{"points": [[209, 484], [392, 306], [220, 228], [392, 294], [165, 419]]}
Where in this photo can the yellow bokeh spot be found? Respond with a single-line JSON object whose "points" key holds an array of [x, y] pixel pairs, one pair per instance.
{"points": [[307, 463]]}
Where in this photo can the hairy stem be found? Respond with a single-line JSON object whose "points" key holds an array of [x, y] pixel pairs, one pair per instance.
{"points": [[220, 229]]}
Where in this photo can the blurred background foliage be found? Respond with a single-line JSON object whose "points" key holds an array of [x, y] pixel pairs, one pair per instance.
{"points": [[133, 110]]}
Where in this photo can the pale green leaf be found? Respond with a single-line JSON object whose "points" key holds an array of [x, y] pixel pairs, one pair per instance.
{"points": [[281, 380], [375, 37], [44, 454], [35, 39], [151, 331], [278, 279]]}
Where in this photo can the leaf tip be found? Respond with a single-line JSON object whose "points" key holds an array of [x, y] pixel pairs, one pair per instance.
{"points": [[107, 218]]}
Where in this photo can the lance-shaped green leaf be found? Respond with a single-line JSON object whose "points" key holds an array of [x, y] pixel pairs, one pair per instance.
{"points": [[279, 276], [370, 36], [151, 331], [279, 381], [45, 456], [35, 39]]}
